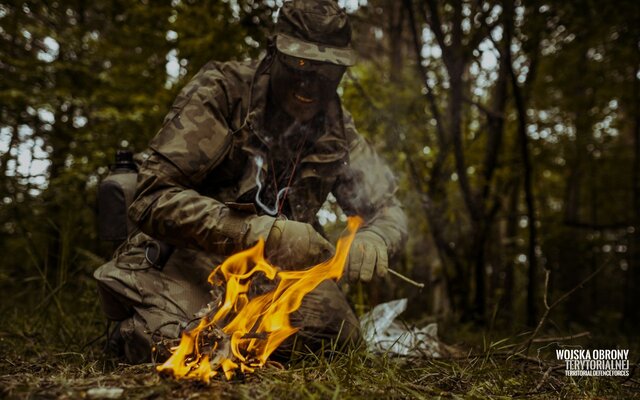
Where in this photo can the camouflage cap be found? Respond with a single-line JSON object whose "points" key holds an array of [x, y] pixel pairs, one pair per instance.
{"points": [[316, 30]]}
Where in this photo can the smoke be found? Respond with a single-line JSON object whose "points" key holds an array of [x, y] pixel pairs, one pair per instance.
{"points": [[366, 184], [273, 211], [285, 152]]}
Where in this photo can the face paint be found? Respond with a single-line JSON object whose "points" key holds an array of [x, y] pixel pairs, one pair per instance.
{"points": [[325, 70], [302, 87]]}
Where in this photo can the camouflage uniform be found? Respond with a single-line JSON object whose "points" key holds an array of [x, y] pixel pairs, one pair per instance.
{"points": [[196, 191]]}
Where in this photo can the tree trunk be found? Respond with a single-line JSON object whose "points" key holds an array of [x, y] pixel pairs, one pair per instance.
{"points": [[396, 25], [511, 248], [532, 283], [632, 295]]}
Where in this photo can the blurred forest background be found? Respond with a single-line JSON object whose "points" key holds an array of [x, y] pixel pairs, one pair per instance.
{"points": [[513, 127]]}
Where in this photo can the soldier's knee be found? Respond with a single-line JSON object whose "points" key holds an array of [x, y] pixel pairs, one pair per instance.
{"points": [[325, 312], [114, 303]]}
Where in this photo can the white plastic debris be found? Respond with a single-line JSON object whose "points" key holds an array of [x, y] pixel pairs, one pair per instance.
{"points": [[105, 392], [383, 334]]}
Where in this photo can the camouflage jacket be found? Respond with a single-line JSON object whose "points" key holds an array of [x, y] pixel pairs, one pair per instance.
{"points": [[196, 188]]}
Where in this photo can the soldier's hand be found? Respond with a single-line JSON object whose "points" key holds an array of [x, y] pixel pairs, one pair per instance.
{"points": [[291, 244], [368, 255]]}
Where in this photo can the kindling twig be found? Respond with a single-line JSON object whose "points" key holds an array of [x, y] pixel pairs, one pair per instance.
{"points": [[404, 278], [561, 338]]}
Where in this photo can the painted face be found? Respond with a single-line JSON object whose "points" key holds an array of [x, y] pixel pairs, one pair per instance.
{"points": [[303, 87]]}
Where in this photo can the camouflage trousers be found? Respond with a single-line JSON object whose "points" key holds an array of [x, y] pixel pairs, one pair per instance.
{"points": [[154, 306]]}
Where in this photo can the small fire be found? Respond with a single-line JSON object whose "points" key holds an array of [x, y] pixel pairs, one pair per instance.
{"points": [[256, 326]]}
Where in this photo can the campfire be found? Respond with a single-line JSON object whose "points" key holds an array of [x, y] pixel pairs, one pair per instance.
{"points": [[242, 332]]}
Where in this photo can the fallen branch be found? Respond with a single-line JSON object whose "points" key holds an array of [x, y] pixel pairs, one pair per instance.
{"points": [[550, 307]]}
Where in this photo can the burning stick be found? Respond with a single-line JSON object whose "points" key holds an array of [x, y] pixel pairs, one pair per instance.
{"points": [[256, 326]]}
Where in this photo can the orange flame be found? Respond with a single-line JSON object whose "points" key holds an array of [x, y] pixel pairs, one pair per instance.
{"points": [[260, 324]]}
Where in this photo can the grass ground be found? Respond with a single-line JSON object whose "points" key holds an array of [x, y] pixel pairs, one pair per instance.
{"points": [[47, 351], [40, 373]]}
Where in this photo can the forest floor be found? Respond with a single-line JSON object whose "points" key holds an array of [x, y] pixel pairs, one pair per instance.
{"points": [[51, 348], [32, 373]]}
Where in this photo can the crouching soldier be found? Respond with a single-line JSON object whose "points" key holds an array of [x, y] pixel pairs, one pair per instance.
{"points": [[252, 149]]}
